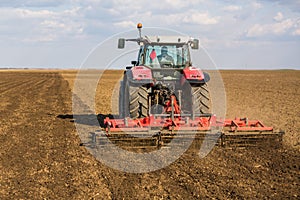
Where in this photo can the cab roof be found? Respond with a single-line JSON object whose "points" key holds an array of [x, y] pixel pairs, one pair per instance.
{"points": [[162, 40], [167, 39]]}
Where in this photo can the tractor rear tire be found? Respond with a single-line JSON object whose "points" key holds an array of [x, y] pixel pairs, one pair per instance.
{"points": [[201, 99], [135, 102], [143, 101], [121, 100]]}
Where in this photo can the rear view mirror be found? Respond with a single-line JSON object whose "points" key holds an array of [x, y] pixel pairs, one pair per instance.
{"points": [[121, 43], [195, 44]]}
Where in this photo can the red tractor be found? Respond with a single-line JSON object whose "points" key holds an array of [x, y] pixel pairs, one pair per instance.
{"points": [[163, 73], [163, 94]]}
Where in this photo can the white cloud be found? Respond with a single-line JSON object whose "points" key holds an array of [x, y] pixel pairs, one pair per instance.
{"points": [[51, 24], [278, 28], [278, 17], [232, 8], [125, 24], [44, 38], [282, 27], [194, 17], [256, 30], [41, 25], [296, 32], [125, 8], [168, 20], [200, 18], [256, 5], [32, 3], [178, 4], [73, 12], [26, 13]]}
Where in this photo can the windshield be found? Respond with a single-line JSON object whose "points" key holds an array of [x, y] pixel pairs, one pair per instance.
{"points": [[166, 56]]}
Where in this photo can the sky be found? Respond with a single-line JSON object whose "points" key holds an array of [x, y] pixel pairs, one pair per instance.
{"points": [[248, 34]]}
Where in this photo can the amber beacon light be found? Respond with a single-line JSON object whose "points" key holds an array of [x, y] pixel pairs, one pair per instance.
{"points": [[139, 25]]}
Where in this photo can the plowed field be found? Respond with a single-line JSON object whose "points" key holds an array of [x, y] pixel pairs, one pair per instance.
{"points": [[41, 156]]}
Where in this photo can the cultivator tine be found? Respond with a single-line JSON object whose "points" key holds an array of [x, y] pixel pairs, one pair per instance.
{"points": [[253, 139]]}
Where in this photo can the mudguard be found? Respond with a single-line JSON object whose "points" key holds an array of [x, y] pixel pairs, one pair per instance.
{"points": [[138, 75], [195, 76]]}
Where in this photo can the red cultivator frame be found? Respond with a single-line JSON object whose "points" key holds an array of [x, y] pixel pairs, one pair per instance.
{"points": [[200, 123], [229, 132]]}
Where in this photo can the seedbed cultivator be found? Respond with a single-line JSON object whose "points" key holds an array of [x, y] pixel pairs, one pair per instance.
{"points": [[163, 97], [158, 129]]}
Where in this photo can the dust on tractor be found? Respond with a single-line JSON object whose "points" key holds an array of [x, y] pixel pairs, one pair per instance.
{"points": [[162, 95]]}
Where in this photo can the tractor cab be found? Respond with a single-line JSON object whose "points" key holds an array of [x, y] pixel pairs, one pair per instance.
{"points": [[165, 52]]}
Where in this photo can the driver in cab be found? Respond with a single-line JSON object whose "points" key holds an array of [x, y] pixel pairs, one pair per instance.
{"points": [[164, 58]]}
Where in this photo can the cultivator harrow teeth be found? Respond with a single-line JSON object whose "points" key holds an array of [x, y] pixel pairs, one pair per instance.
{"points": [[161, 129]]}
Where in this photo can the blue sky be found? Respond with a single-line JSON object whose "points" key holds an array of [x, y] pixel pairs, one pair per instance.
{"points": [[261, 34]]}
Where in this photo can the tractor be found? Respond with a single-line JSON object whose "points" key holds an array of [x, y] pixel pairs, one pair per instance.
{"points": [[163, 72], [163, 94]]}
